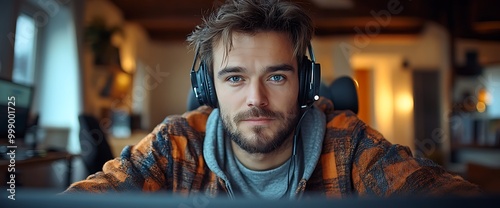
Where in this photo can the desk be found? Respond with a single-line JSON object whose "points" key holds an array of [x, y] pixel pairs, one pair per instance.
{"points": [[47, 158]]}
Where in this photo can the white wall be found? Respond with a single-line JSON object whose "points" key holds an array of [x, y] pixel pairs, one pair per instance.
{"points": [[135, 56], [60, 97], [392, 84], [174, 60]]}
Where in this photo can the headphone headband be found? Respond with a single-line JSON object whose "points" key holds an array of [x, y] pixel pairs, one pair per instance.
{"points": [[311, 53]]}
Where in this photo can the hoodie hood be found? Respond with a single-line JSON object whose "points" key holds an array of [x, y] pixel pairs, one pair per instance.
{"points": [[309, 145]]}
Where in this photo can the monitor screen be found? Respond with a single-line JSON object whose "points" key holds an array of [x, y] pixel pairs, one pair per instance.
{"points": [[48, 198], [15, 104]]}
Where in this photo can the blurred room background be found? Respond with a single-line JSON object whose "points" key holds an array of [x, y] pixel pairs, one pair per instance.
{"points": [[100, 74]]}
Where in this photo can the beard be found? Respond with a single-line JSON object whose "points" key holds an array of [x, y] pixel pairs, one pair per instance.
{"points": [[258, 141]]}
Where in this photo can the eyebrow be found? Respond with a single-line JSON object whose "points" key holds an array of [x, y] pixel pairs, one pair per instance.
{"points": [[270, 69], [228, 70]]}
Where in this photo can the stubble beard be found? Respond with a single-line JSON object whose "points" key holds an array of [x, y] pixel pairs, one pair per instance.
{"points": [[258, 142]]}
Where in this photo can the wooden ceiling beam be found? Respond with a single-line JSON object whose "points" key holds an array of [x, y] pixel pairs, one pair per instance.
{"points": [[174, 19]]}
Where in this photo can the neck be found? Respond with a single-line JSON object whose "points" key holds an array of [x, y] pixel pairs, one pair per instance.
{"points": [[261, 161]]}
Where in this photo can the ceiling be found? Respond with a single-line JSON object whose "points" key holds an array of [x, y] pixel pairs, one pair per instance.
{"points": [[175, 19]]}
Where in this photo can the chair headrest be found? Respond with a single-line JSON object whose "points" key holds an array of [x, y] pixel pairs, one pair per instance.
{"points": [[344, 94], [324, 91]]}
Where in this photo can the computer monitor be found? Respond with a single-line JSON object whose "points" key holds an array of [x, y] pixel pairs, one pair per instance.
{"points": [[46, 198], [15, 105]]}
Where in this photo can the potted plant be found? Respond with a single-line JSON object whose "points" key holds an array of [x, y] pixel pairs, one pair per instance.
{"points": [[99, 37]]}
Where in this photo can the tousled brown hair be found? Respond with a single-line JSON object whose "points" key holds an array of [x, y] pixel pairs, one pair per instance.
{"points": [[250, 17]]}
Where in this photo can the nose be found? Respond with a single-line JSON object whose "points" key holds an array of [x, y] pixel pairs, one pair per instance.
{"points": [[257, 95]]}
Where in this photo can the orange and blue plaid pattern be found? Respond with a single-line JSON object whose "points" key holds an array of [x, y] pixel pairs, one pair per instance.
{"points": [[356, 160]]}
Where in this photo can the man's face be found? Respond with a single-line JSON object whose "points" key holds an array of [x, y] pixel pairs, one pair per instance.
{"points": [[257, 87]]}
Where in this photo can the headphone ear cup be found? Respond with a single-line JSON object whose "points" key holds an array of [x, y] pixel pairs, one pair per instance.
{"points": [[309, 80], [304, 77], [208, 95], [316, 77]]}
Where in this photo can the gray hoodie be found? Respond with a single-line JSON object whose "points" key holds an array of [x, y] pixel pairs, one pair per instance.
{"points": [[268, 184]]}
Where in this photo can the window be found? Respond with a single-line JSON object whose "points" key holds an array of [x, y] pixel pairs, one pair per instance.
{"points": [[24, 50]]}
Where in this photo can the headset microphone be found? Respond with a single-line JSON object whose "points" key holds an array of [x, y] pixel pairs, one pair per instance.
{"points": [[309, 79], [293, 158]]}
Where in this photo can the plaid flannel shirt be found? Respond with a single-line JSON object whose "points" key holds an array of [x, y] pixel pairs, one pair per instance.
{"points": [[355, 160]]}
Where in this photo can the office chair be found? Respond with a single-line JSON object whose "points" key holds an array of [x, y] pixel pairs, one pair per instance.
{"points": [[324, 91], [344, 94], [95, 149]]}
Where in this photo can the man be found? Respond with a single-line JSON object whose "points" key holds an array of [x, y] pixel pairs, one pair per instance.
{"points": [[264, 138]]}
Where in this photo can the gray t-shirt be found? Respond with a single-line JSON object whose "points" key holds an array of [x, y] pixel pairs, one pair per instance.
{"points": [[281, 182]]}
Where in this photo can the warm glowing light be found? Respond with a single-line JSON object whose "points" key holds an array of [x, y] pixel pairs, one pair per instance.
{"points": [[122, 83], [481, 107], [117, 39], [128, 64], [404, 102], [483, 96], [356, 82]]}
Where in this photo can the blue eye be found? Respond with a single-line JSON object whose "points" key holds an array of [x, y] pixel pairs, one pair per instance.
{"points": [[277, 78], [234, 79]]}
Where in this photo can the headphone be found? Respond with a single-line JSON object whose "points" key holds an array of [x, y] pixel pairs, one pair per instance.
{"points": [[309, 81]]}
